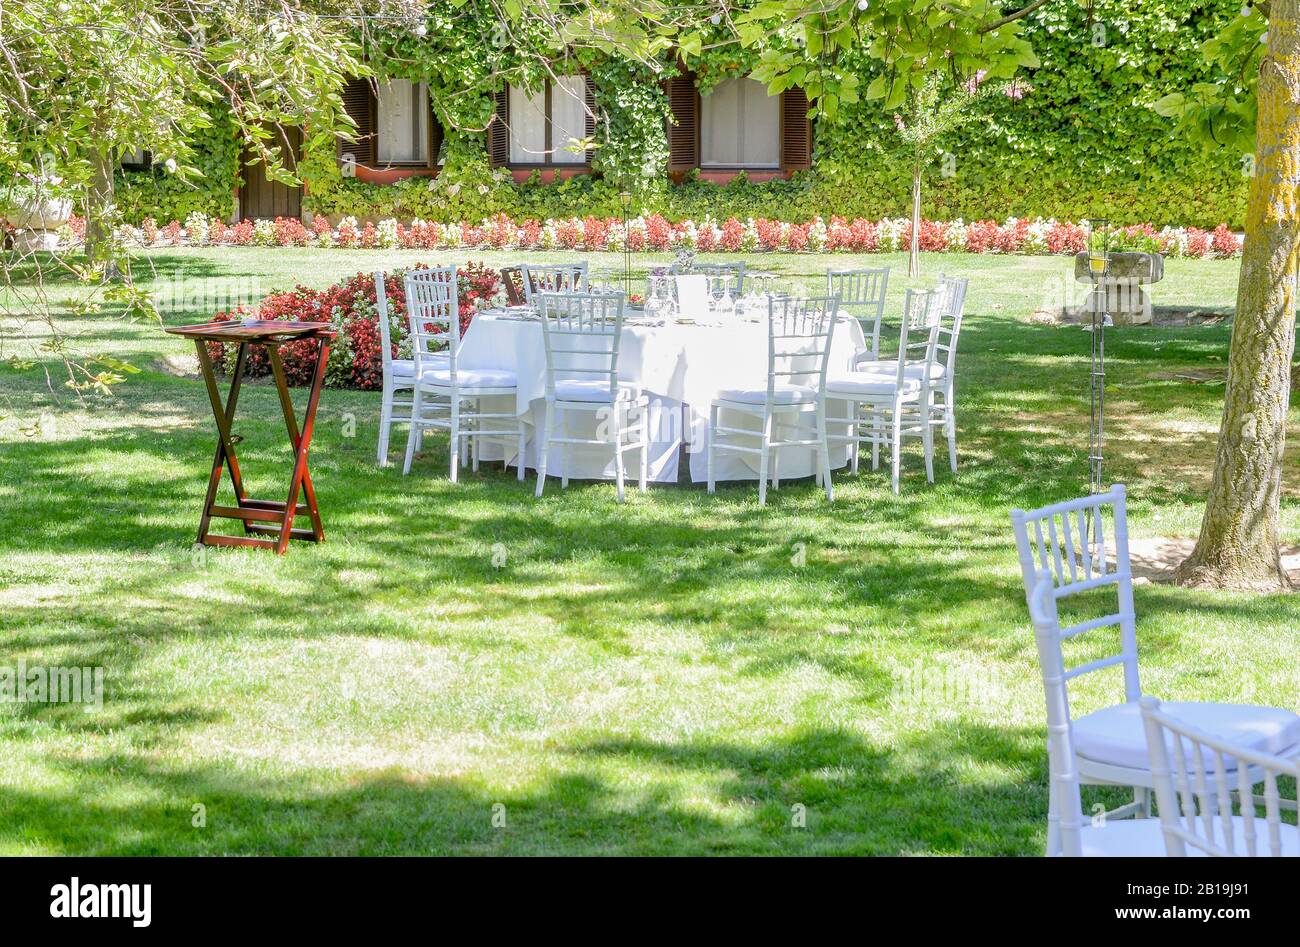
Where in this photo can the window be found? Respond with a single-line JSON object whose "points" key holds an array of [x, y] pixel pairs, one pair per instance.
{"points": [[740, 126], [136, 160], [403, 122], [542, 123]]}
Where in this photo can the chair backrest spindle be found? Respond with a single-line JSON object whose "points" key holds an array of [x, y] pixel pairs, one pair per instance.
{"points": [[582, 333], [862, 294], [433, 316], [1190, 770], [799, 334], [553, 278]]}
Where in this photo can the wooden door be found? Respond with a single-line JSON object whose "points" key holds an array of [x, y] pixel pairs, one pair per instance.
{"points": [[260, 197]]}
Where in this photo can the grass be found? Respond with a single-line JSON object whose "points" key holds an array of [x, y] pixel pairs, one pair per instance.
{"points": [[669, 676]]}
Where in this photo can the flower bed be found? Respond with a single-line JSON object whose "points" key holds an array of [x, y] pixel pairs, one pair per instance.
{"points": [[654, 233], [355, 359]]}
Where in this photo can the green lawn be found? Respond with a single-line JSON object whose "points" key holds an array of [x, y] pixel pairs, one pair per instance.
{"points": [[661, 677]]}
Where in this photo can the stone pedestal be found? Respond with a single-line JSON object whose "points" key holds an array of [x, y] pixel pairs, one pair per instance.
{"points": [[1122, 291], [36, 223]]}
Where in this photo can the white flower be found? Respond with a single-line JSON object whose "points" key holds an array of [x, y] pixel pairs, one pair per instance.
{"points": [[170, 165]]}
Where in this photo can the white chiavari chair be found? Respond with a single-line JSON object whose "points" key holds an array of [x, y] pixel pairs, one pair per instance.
{"points": [[1196, 776], [732, 273], [1069, 832], [448, 396], [1082, 546], [398, 373], [583, 334], [862, 295], [799, 333], [941, 374], [887, 406], [553, 278]]}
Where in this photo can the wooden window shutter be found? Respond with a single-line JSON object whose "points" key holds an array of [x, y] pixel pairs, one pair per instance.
{"points": [[436, 134], [796, 131], [359, 102], [498, 132], [589, 99], [684, 132]]}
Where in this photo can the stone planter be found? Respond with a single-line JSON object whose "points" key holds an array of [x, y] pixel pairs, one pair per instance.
{"points": [[1124, 286], [36, 222]]}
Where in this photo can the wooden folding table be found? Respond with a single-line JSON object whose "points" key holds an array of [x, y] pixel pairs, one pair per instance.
{"points": [[271, 518]]}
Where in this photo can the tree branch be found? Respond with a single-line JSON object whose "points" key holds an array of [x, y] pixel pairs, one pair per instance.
{"points": [[1012, 17]]}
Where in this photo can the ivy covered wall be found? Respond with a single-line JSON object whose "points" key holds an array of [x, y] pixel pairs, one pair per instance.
{"points": [[156, 193], [1082, 141]]}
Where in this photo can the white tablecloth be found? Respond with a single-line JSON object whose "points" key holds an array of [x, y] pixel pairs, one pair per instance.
{"points": [[681, 368]]}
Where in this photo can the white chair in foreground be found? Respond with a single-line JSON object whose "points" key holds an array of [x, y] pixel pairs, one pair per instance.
{"points": [[862, 294], [582, 334], [553, 278], [446, 395], [1196, 776], [1069, 832], [887, 406], [1069, 542], [398, 373], [799, 333]]}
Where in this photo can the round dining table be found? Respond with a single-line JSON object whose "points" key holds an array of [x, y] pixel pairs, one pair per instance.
{"points": [[679, 365]]}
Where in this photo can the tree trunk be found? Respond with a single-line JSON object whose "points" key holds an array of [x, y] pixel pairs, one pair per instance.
{"points": [[1238, 545], [914, 251], [99, 201]]}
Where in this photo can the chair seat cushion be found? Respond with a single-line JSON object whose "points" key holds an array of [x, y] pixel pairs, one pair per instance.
{"points": [[781, 394], [405, 367], [1134, 838], [592, 389], [889, 366], [1115, 735], [869, 383], [470, 377]]}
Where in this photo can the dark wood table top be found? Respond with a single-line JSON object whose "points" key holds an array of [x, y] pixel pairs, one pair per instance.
{"points": [[255, 330]]}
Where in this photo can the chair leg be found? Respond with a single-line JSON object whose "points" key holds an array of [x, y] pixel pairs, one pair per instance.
{"points": [[1142, 796], [876, 430], [713, 426], [562, 421], [414, 433], [523, 442], [474, 427], [823, 453], [544, 447], [455, 437], [1053, 820], [620, 414], [385, 424], [896, 442], [776, 469], [644, 412], [764, 450], [855, 431], [927, 436], [950, 428]]}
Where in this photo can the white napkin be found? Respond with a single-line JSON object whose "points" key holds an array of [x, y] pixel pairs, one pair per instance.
{"points": [[692, 296]]}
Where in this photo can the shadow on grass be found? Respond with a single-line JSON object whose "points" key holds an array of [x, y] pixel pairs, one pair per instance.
{"points": [[587, 810]]}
